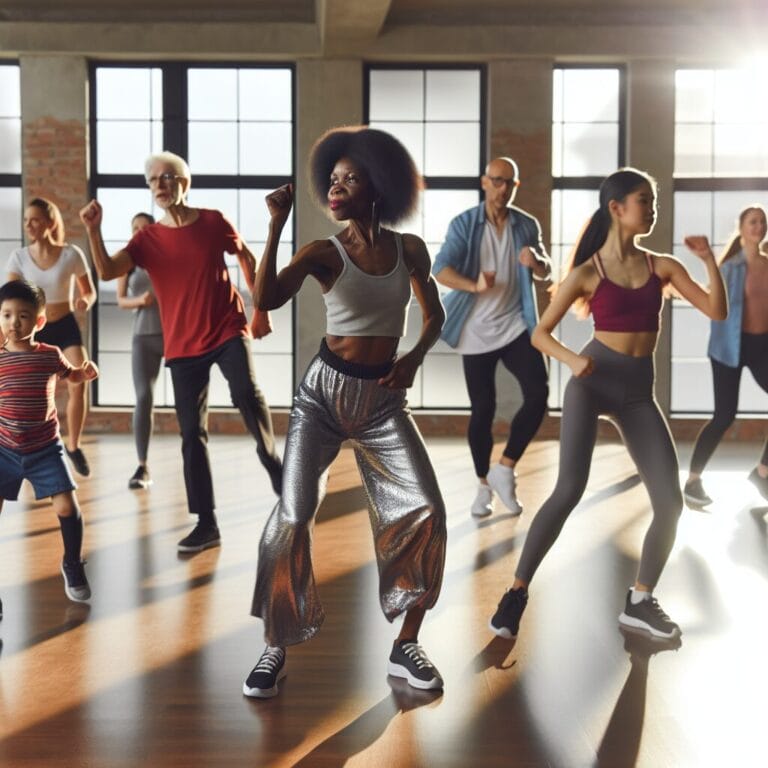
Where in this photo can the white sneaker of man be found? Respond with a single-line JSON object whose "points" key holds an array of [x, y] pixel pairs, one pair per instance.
{"points": [[503, 482]]}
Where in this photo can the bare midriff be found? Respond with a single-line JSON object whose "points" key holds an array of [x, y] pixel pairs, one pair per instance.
{"points": [[56, 310], [363, 350], [635, 344]]}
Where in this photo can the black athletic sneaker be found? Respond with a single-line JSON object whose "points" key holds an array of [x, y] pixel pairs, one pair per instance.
{"points": [[201, 537], [76, 584], [649, 616], [408, 660], [506, 621], [264, 677], [140, 478], [695, 495], [761, 483], [79, 462]]}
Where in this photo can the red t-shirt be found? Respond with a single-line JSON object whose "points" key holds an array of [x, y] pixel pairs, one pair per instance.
{"points": [[28, 420], [200, 308]]}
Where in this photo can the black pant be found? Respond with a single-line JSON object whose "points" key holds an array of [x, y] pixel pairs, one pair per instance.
{"points": [[191, 377], [526, 364], [726, 380]]}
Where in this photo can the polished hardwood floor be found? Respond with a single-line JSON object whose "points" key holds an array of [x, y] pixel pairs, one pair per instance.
{"points": [[150, 673]]}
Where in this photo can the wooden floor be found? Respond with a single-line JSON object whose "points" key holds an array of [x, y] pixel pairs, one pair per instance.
{"points": [[150, 673]]}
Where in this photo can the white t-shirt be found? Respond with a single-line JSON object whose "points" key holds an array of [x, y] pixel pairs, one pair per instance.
{"points": [[56, 281], [496, 319]]}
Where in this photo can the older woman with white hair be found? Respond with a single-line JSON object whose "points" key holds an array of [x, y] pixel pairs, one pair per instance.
{"points": [[203, 322]]}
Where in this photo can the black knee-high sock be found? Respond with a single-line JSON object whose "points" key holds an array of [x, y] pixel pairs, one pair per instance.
{"points": [[72, 533]]}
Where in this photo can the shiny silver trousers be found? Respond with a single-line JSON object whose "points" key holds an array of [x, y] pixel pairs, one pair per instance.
{"points": [[406, 509]]}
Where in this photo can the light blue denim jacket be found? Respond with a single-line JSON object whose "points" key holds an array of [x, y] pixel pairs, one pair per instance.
{"points": [[461, 250], [725, 335]]}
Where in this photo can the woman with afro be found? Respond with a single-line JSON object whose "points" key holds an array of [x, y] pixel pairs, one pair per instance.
{"points": [[354, 389]]}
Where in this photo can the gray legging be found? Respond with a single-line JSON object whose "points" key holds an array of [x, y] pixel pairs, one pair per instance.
{"points": [[621, 387], [147, 354]]}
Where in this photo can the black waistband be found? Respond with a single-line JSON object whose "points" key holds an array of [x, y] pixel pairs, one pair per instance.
{"points": [[358, 370]]}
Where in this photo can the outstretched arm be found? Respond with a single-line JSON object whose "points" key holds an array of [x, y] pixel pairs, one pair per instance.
{"points": [[432, 313], [713, 302], [108, 268]]}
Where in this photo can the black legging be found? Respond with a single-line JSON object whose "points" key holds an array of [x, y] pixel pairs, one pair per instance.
{"points": [[726, 380], [526, 364]]}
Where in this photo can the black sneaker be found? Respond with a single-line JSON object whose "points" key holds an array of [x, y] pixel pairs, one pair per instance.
{"points": [[76, 584], [140, 478], [264, 677], [202, 536], [79, 462], [506, 621], [408, 660], [649, 616], [695, 495], [761, 483]]}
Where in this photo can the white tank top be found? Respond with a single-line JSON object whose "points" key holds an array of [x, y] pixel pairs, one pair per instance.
{"points": [[360, 304], [56, 281]]}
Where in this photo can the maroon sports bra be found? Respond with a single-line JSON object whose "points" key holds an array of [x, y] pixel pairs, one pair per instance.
{"points": [[626, 310]]}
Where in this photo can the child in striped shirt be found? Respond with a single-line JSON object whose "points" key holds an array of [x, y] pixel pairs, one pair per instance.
{"points": [[30, 444]]}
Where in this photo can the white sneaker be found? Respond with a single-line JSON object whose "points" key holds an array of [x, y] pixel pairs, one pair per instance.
{"points": [[482, 505], [503, 482]]}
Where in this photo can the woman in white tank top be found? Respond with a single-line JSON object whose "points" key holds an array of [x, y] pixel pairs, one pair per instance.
{"points": [[54, 265], [355, 390]]}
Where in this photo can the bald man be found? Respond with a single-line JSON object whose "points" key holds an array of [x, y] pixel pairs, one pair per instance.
{"points": [[490, 256]]}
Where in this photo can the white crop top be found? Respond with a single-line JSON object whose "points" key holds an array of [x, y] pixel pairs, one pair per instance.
{"points": [[360, 304], [56, 281]]}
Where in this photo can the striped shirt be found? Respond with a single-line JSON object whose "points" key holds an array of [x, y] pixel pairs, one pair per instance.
{"points": [[28, 419]]}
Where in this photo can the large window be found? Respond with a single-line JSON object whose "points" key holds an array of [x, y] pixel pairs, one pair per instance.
{"points": [[234, 125], [438, 114], [721, 166], [588, 126], [10, 162]]}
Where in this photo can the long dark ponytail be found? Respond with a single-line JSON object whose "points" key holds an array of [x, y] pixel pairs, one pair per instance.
{"points": [[615, 187]]}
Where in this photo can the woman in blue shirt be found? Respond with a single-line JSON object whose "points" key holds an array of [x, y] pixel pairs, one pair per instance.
{"points": [[739, 341]]}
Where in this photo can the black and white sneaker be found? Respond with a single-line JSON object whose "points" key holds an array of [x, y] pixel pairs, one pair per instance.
{"points": [[648, 616], [264, 677], [79, 462], [201, 537], [140, 478], [694, 494], [408, 660], [76, 584], [761, 483], [506, 621]]}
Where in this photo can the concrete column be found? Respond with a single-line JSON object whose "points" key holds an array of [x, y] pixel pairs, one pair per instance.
{"points": [[651, 147], [520, 126], [54, 112], [328, 94]]}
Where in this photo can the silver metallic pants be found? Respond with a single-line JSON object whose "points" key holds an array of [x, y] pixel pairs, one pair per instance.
{"points": [[335, 402]]}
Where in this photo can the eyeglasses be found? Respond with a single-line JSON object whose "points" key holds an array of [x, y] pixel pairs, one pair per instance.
{"points": [[501, 181], [166, 178]]}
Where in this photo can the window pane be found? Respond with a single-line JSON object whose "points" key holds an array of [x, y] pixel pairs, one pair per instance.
{"points": [[694, 95], [412, 137], [741, 150], [693, 214], [212, 94], [590, 149], [224, 200], [440, 206], [10, 221], [691, 386], [693, 150], [590, 95], [453, 95], [213, 148], [265, 94], [125, 93], [254, 221], [123, 146], [10, 145], [266, 149], [442, 141], [119, 207], [115, 381], [396, 95]]}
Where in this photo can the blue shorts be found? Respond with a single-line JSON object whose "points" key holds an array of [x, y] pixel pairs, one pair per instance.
{"points": [[45, 469]]}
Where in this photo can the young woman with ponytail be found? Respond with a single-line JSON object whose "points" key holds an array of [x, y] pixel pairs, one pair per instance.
{"points": [[621, 285]]}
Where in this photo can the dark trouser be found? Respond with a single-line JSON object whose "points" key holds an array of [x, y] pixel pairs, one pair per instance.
{"points": [[526, 364], [191, 376], [726, 380], [621, 386]]}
